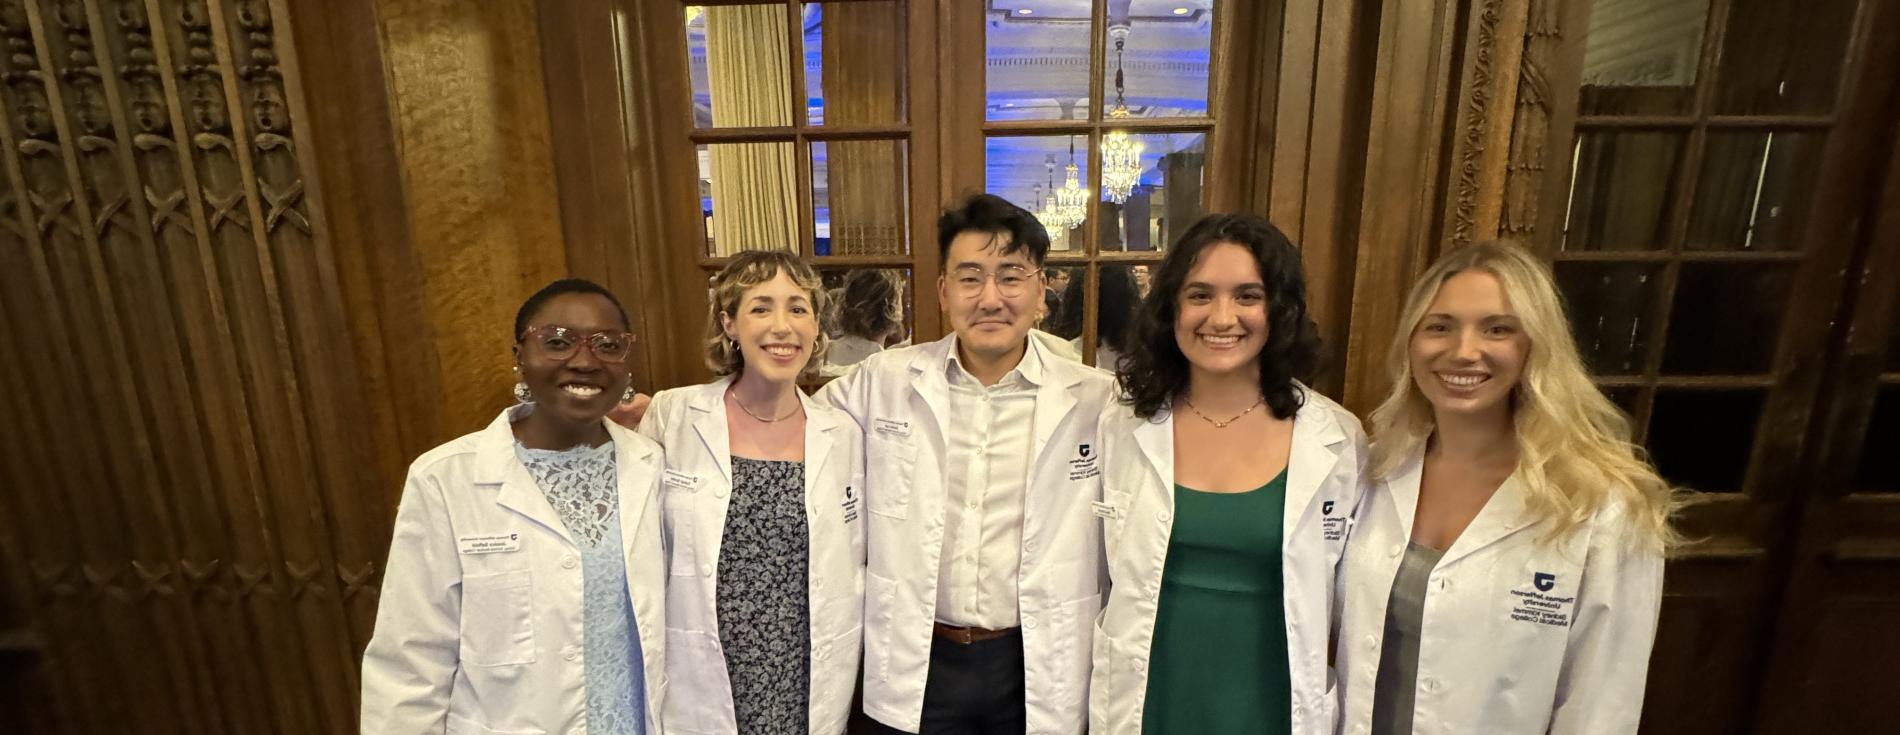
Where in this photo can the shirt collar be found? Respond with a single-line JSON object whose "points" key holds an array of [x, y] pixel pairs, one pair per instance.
{"points": [[1027, 373]]}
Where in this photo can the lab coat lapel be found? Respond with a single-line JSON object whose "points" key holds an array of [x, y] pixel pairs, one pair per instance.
{"points": [[1505, 514], [633, 475], [819, 429], [1155, 438], [500, 466], [1316, 441], [709, 421], [928, 377]]}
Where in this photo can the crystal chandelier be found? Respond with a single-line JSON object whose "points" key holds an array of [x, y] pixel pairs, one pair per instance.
{"points": [[1121, 154], [1072, 202], [1045, 209]]}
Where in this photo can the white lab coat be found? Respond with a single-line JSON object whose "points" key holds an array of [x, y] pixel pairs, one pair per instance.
{"points": [[1518, 635], [479, 629], [697, 487], [901, 399], [1322, 489]]}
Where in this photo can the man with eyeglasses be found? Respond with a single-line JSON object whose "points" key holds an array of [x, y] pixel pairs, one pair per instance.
{"points": [[984, 554]]}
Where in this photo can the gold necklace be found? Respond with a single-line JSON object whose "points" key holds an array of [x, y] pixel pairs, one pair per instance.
{"points": [[762, 419], [1222, 424]]}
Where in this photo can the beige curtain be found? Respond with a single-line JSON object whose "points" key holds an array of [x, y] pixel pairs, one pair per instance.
{"points": [[863, 85], [754, 185]]}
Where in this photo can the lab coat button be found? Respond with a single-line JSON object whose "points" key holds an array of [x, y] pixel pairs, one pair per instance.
{"points": [[705, 570], [568, 562], [1372, 643], [1395, 551], [1444, 584], [721, 492], [1431, 684], [1162, 516], [1029, 623]]}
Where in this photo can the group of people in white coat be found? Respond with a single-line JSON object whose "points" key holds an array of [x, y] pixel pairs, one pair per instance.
{"points": [[978, 535]]}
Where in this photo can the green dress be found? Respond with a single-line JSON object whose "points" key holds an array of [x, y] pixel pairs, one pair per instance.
{"points": [[1218, 663]]}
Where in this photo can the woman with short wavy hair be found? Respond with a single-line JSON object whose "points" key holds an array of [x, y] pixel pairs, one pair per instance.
{"points": [[765, 545], [1505, 570], [1228, 486]]}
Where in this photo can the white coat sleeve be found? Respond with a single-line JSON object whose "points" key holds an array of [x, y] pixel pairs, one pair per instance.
{"points": [[653, 424], [1606, 663], [413, 655], [850, 394]]}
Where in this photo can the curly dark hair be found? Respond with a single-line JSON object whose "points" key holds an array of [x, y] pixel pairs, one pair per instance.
{"points": [[1155, 372], [870, 307]]}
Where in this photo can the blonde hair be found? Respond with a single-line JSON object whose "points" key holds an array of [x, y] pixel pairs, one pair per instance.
{"points": [[1575, 457], [747, 269]]}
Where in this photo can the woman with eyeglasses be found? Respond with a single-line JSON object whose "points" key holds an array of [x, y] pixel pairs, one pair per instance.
{"points": [[524, 588], [765, 536]]}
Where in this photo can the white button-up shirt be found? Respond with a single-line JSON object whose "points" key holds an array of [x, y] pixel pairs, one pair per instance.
{"points": [[988, 468]]}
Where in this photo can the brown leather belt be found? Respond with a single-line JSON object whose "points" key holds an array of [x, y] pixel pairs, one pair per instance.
{"points": [[967, 636]]}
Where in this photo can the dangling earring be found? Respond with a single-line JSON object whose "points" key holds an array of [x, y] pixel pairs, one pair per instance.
{"points": [[522, 394], [626, 396]]}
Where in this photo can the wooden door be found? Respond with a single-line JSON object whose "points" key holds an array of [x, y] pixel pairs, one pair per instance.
{"points": [[1720, 155]]}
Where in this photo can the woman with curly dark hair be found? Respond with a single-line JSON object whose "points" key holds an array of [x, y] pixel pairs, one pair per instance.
{"points": [[1224, 528]]}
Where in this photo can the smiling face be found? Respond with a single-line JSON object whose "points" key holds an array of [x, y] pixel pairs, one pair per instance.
{"points": [[776, 327], [1469, 350], [579, 389], [1220, 320], [992, 298]]}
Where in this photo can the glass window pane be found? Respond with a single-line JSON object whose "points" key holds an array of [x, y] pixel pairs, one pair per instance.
{"points": [[1036, 60], [860, 197], [1701, 439], [1783, 56], [1640, 56], [1151, 188], [1610, 306], [740, 65], [1047, 175], [1754, 190], [1726, 319], [1117, 294], [854, 63], [870, 309], [1156, 58], [1620, 190], [1628, 398], [748, 194], [1879, 464]]}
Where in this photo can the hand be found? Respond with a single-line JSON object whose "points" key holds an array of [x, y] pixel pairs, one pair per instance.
{"points": [[629, 414]]}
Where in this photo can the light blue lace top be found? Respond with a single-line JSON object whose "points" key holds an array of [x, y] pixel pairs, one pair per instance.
{"points": [[581, 485]]}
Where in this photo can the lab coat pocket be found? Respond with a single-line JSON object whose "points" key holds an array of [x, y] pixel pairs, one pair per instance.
{"points": [[678, 508], [834, 666], [892, 463], [696, 671], [498, 619]]}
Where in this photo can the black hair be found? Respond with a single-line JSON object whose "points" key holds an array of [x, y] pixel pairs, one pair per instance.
{"points": [[1155, 372], [995, 215], [564, 287], [1115, 301]]}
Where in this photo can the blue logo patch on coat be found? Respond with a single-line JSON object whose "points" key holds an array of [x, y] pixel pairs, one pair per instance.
{"points": [[1082, 451], [1544, 581], [1326, 508]]}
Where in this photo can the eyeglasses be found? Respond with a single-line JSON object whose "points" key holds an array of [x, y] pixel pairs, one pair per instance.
{"points": [[561, 343], [1011, 280]]}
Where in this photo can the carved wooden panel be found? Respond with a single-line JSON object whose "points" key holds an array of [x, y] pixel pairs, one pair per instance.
{"points": [[179, 372]]}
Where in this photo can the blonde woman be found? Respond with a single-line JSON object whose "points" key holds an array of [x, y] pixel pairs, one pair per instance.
{"points": [[765, 542], [1505, 570]]}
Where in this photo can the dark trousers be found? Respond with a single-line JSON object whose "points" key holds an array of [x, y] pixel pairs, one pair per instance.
{"points": [[973, 689]]}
